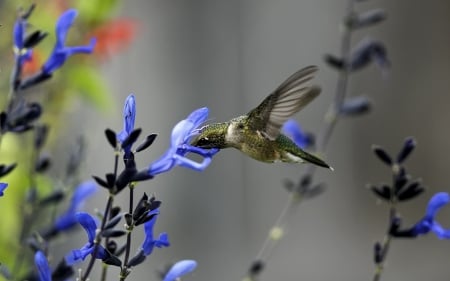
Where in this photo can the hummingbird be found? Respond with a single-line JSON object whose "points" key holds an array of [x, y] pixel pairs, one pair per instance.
{"points": [[258, 133]]}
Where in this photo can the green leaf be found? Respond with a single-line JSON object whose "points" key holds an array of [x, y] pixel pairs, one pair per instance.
{"points": [[90, 85], [96, 10]]}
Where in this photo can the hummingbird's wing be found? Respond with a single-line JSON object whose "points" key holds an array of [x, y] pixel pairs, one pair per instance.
{"points": [[291, 96]]}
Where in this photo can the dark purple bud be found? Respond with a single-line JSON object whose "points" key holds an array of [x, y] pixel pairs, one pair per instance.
{"points": [[111, 137], [141, 207], [112, 260], [113, 233], [110, 179], [382, 154], [41, 133], [256, 268], [400, 181], [395, 224], [3, 120], [43, 163], [132, 137], [112, 247], [126, 176], [366, 51], [101, 182], [54, 197], [366, 19], [408, 147], [377, 253], [33, 80], [148, 215], [6, 169], [142, 176], [137, 259], [62, 271], [334, 62], [113, 222], [114, 211], [33, 39], [26, 14], [413, 190], [128, 219], [314, 191], [382, 192], [355, 106], [148, 141]]}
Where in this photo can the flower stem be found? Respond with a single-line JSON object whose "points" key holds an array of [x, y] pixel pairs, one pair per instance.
{"points": [[98, 238], [124, 272], [331, 118]]}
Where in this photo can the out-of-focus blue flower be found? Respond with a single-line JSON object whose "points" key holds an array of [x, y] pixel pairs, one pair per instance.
{"points": [[181, 136], [81, 193], [90, 226], [45, 273], [129, 115], [149, 242], [292, 129], [3, 186], [20, 52], [61, 52], [179, 269], [428, 222]]}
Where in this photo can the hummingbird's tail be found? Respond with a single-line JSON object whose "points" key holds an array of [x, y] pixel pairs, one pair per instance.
{"points": [[296, 154], [314, 160]]}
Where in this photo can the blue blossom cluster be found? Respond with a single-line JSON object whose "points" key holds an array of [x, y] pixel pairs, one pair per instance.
{"points": [[103, 235]]}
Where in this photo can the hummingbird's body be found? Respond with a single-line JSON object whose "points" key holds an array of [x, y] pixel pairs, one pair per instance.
{"points": [[257, 134]]}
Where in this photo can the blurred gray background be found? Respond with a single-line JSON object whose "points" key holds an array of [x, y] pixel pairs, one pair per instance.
{"points": [[228, 55]]}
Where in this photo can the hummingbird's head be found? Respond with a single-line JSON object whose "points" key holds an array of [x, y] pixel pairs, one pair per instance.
{"points": [[211, 136]]}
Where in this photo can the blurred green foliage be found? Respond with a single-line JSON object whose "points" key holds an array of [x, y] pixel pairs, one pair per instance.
{"points": [[80, 77]]}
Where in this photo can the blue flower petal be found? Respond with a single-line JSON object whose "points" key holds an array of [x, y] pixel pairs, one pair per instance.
{"points": [[181, 136], [89, 224], [179, 269], [428, 223], [129, 116], [19, 33], [81, 193], [42, 266], [63, 25], [437, 202], [292, 129], [60, 52], [3, 186], [149, 243]]}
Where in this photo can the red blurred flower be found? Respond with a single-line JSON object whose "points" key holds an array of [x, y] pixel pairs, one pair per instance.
{"points": [[113, 36], [32, 65]]}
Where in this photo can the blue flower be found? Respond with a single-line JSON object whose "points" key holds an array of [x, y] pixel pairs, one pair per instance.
{"points": [[179, 269], [292, 129], [149, 242], [22, 54], [81, 193], [129, 115], [42, 266], [181, 136], [90, 226], [428, 222], [61, 52], [3, 186]]}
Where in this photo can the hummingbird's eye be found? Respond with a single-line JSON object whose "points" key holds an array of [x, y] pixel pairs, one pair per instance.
{"points": [[202, 142], [240, 126]]}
